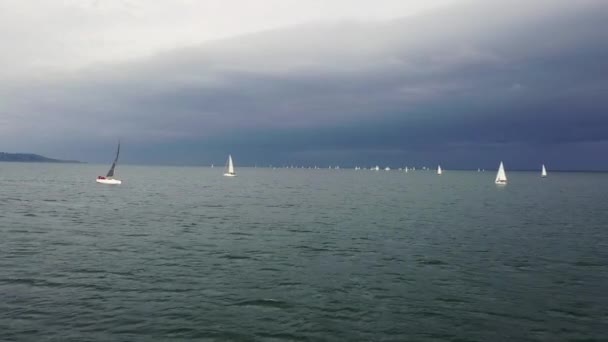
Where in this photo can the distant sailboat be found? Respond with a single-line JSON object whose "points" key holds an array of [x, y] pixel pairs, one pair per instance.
{"points": [[230, 168], [109, 177], [543, 173], [406, 169], [387, 168], [439, 171], [376, 168], [501, 176]]}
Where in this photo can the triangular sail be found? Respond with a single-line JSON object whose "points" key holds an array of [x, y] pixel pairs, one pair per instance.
{"points": [[501, 176], [111, 172], [230, 165], [439, 171], [543, 172]]}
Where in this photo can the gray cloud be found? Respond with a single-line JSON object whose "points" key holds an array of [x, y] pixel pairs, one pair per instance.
{"points": [[474, 81]]}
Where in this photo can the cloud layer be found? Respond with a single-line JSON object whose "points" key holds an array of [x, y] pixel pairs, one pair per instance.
{"points": [[469, 85]]}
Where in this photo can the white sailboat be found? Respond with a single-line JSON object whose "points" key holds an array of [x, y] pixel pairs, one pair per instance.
{"points": [[109, 177], [501, 176], [439, 171], [406, 169], [543, 173], [230, 168], [387, 168]]}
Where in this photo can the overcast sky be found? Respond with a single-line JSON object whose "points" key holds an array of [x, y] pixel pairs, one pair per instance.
{"points": [[462, 83]]}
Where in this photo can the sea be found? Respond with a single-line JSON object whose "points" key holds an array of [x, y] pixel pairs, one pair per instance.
{"points": [[185, 254]]}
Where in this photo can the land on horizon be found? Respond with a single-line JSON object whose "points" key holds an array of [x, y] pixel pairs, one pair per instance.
{"points": [[32, 157]]}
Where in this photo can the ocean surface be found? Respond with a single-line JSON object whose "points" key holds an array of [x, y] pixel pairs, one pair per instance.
{"points": [[184, 254]]}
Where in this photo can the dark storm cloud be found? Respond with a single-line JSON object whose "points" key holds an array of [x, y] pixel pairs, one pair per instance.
{"points": [[486, 76]]}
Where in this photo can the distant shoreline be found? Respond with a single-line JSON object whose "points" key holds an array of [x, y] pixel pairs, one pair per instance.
{"points": [[32, 158]]}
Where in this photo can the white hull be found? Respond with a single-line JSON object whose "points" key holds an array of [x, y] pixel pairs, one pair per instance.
{"points": [[501, 182], [109, 181], [229, 175]]}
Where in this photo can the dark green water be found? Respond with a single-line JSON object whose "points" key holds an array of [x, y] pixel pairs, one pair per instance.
{"points": [[179, 254]]}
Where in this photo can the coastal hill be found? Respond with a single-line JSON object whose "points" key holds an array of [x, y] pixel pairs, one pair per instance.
{"points": [[30, 157]]}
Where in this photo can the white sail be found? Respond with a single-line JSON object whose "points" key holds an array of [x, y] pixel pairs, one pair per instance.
{"points": [[501, 176], [406, 169], [439, 170], [543, 172], [230, 168]]}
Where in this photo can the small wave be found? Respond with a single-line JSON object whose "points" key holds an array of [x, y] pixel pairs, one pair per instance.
{"points": [[343, 309], [390, 258], [61, 243], [240, 233], [568, 313], [450, 300], [282, 337], [269, 303], [289, 283], [425, 313], [587, 263], [295, 230], [510, 316], [87, 270], [236, 257], [431, 262], [314, 249], [52, 284], [213, 206]]}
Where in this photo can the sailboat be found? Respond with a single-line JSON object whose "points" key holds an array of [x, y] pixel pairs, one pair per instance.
{"points": [[439, 171], [543, 173], [109, 177], [230, 168], [501, 176]]}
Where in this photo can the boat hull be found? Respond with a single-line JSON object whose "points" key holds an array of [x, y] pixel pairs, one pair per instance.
{"points": [[109, 181], [501, 182], [229, 175]]}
